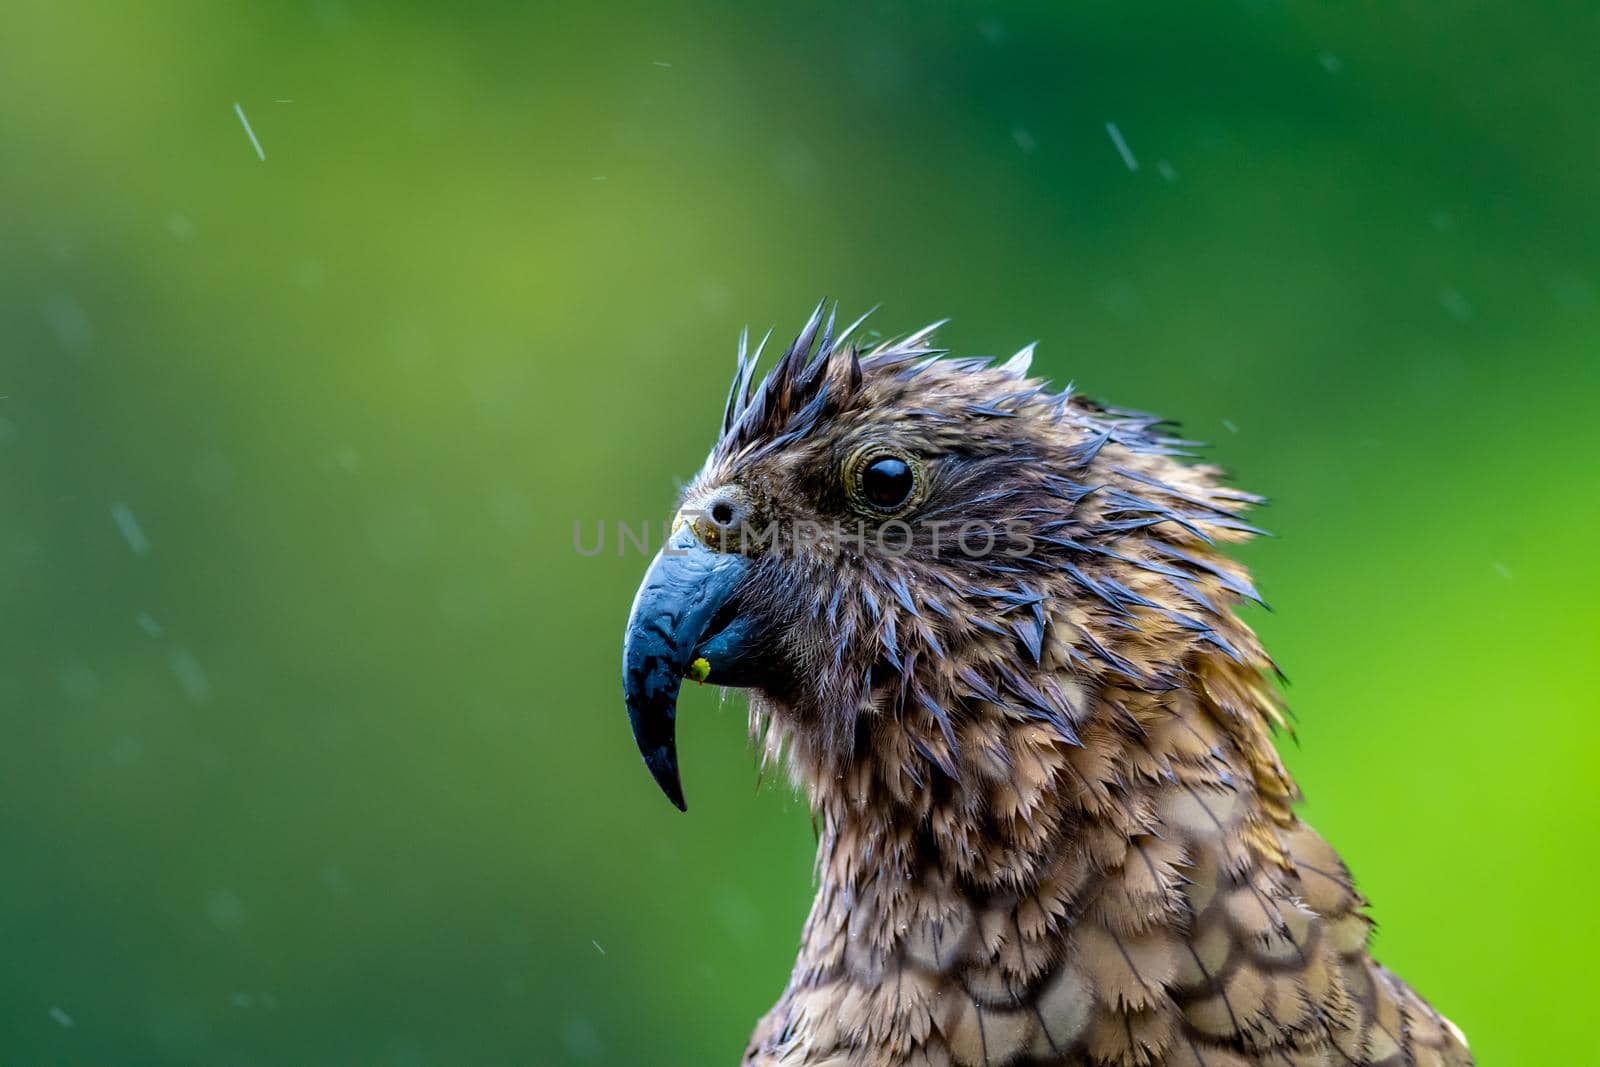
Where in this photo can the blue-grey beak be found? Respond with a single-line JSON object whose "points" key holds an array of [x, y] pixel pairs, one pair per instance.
{"points": [[681, 614]]}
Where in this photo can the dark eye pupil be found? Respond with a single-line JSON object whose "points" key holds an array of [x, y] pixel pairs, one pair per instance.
{"points": [[887, 482]]}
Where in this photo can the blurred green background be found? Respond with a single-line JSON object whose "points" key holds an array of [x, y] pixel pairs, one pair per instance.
{"points": [[313, 749]]}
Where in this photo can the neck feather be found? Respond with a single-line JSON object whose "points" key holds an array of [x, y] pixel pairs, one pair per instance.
{"points": [[991, 845]]}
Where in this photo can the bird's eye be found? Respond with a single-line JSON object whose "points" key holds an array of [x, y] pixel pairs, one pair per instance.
{"points": [[884, 482], [887, 482]]}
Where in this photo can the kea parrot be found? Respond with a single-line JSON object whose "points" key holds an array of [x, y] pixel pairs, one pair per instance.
{"points": [[990, 631]]}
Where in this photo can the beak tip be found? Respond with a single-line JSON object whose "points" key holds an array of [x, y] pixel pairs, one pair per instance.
{"points": [[663, 764], [673, 789]]}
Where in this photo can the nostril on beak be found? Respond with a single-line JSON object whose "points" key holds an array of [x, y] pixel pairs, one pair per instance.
{"points": [[720, 517]]}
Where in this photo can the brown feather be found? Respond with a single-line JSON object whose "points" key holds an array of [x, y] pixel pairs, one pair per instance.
{"points": [[1053, 825]]}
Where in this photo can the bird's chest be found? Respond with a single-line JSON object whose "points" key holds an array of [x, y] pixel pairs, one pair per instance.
{"points": [[923, 969], [1103, 947]]}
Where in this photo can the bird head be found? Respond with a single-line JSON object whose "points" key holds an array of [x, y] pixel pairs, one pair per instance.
{"points": [[889, 548]]}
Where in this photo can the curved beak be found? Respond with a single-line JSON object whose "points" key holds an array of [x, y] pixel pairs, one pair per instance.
{"points": [[681, 626]]}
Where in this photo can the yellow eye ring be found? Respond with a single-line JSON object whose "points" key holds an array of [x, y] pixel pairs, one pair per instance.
{"points": [[884, 481]]}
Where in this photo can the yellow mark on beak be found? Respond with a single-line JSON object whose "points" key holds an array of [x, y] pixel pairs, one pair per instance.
{"points": [[700, 670]]}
